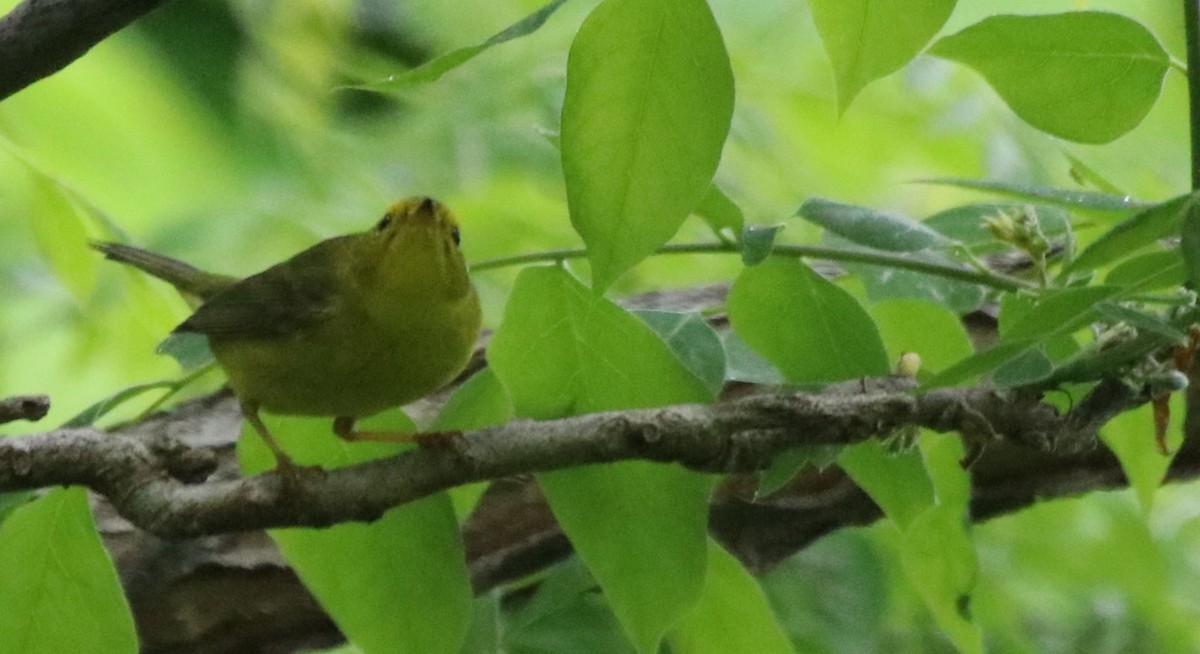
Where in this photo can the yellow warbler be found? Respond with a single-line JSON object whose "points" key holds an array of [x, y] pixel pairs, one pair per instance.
{"points": [[349, 327]]}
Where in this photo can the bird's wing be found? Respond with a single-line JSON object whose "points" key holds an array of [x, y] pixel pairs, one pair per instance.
{"points": [[284, 299]]}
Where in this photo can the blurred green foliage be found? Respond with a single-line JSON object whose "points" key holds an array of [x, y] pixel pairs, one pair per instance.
{"points": [[224, 133]]}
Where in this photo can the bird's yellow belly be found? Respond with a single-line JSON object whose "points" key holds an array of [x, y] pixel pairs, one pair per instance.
{"points": [[344, 367]]}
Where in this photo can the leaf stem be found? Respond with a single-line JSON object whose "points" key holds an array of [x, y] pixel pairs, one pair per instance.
{"points": [[872, 258]]}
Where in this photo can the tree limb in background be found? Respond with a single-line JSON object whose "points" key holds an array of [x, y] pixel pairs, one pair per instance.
{"points": [[41, 37]]}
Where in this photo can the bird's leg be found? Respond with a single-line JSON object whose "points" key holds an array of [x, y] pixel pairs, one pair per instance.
{"points": [[343, 426], [283, 462]]}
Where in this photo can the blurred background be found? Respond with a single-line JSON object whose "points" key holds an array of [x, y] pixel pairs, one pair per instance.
{"points": [[224, 133]]}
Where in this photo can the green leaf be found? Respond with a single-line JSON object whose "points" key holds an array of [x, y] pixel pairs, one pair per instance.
{"points": [[868, 39], [1027, 339], [965, 223], [971, 368], [90, 415], [433, 70], [876, 229], [62, 238], [640, 527], [398, 584], [1082, 200], [897, 482], [1150, 271], [932, 331], [1085, 76], [939, 558], [757, 242], [566, 614], [732, 617], [788, 464], [1130, 436], [937, 551], [743, 364], [639, 150], [59, 589], [1029, 366], [1144, 322], [562, 351], [811, 329], [1159, 221], [722, 215], [1190, 245], [1060, 312], [885, 283], [190, 350], [479, 402], [694, 343]]}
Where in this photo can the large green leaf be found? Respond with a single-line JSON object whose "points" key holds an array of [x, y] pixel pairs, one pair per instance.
{"points": [[733, 616], [434, 69], [640, 527], [58, 587], [1085, 76], [896, 481], [811, 329], [937, 550], [648, 105], [867, 39], [1161, 220], [398, 584], [932, 331]]}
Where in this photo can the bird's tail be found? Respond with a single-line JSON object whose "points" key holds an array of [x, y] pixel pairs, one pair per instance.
{"points": [[188, 279]]}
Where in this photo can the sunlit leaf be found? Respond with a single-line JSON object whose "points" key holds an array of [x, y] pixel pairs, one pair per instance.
{"points": [[433, 70], [867, 39], [876, 229], [1130, 436], [811, 329], [59, 589], [639, 150], [932, 331], [897, 482], [732, 617], [640, 527], [1085, 76], [398, 584]]}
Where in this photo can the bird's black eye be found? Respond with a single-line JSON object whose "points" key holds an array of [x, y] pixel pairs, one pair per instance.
{"points": [[384, 222], [455, 235]]}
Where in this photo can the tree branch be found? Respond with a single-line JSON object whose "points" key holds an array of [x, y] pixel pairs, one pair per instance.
{"points": [[158, 485], [24, 407], [41, 37]]}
